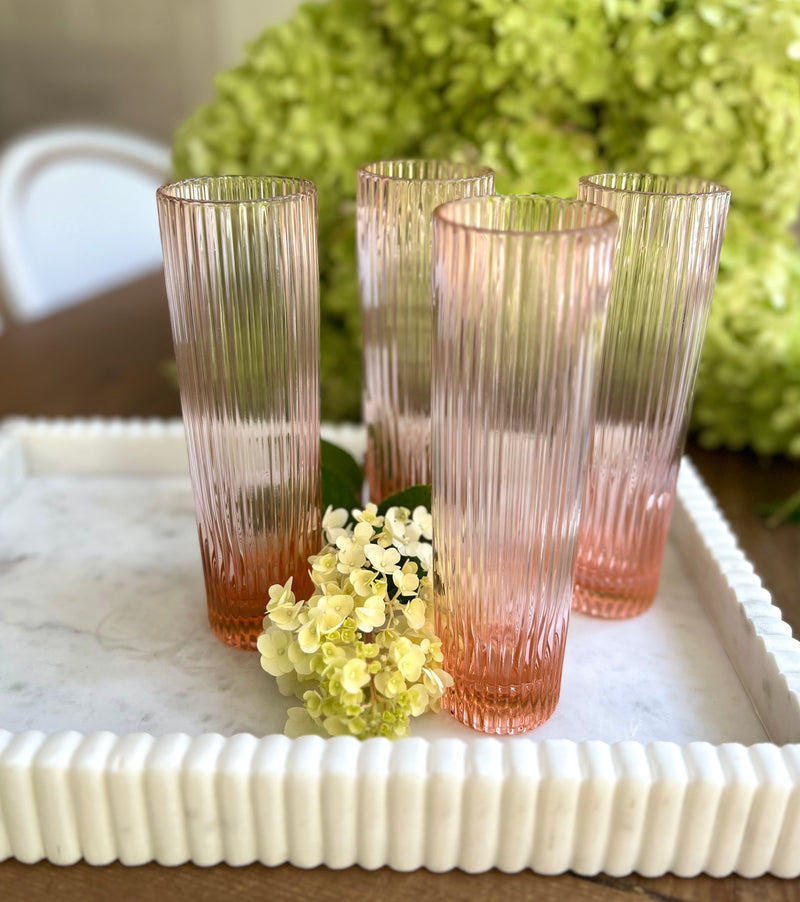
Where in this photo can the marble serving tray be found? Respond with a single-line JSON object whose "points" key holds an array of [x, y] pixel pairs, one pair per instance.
{"points": [[128, 732]]}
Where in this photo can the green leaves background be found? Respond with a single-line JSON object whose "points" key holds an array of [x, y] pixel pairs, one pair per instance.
{"points": [[544, 91]]}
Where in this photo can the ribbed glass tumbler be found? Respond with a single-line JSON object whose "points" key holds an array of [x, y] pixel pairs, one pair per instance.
{"points": [[521, 286], [240, 258], [394, 206], [667, 255]]}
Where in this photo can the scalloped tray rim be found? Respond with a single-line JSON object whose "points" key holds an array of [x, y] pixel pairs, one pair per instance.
{"points": [[549, 805]]}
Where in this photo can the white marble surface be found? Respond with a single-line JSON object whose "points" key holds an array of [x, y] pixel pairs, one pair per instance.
{"points": [[103, 627]]}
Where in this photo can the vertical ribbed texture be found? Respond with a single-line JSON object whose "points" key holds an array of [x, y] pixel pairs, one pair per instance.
{"points": [[395, 203], [240, 257], [667, 256], [551, 806], [521, 285]]}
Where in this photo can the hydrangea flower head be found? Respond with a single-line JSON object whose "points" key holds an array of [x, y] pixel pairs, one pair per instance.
{"points": [[543, 93], [360, 652]]}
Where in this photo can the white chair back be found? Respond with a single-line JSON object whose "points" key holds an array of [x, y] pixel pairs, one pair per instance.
{"points": [[77, 215]]}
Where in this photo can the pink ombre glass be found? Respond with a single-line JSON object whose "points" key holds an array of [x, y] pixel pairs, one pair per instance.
{"points": [[240, 257], [520, 288], [668, 247], [394, 206]]}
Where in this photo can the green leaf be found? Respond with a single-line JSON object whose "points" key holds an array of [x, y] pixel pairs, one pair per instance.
{"points": [[337, 460], [410, 498], [336, 493], [341, 477]]}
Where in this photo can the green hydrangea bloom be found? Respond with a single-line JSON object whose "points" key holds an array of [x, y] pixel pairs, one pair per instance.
{"points": [[544, 91]]}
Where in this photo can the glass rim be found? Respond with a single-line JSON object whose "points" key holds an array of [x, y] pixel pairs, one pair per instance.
{"points": [[166, 191], [608, 217], [709, 188], [477, 170]]}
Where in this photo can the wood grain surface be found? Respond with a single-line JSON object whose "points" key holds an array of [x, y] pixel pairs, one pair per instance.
{"points": [[107, 357]]}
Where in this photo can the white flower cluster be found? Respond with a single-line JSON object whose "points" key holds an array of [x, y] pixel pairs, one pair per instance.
{"points": [[361, 652]]}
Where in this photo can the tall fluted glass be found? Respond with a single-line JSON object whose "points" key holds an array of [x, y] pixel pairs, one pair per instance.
{"points": [[395, 203], [668, 249], [240, 259], [521, 286]]}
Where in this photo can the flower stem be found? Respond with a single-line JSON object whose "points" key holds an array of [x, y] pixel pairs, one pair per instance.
{"points": [[784, 510]]}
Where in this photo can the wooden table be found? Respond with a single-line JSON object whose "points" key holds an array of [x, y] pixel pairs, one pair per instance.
{"points": [[106, 357]]}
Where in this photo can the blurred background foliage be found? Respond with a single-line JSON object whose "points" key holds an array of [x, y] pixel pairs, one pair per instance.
{"points": [[544, 91]]}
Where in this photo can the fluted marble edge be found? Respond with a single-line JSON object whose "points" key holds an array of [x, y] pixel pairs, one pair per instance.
{"points": [[551, 805]]}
